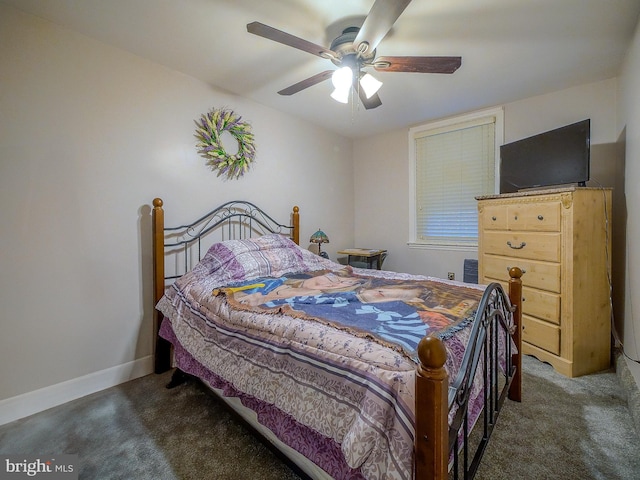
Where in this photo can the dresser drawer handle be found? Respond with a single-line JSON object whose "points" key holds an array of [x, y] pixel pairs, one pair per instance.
{"points": [[493, 218], [522, 270], [522, 245], [540, 217]]}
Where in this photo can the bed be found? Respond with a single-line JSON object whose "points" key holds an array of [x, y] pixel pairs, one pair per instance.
{"points": [[351, 373]]}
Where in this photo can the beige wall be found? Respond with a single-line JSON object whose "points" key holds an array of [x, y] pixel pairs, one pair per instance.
{"points": [[382, 161], [629, 132], [89, 135]]}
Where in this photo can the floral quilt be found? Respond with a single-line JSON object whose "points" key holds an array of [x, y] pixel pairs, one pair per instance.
{"points": [[266, 320]]}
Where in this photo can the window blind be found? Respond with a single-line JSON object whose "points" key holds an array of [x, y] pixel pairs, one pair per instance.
{"points": [[454, 164]]}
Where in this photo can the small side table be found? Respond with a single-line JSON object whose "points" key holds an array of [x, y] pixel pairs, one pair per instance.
{"points": [[371, 255]]}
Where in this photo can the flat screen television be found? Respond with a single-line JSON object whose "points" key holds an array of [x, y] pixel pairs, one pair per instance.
{"points": [[556, 157]]}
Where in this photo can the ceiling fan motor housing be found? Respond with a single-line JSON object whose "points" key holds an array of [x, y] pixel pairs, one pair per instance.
{"points": [[346, 50]]}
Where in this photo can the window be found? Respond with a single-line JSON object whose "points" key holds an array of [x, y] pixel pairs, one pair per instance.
{"points": [[452, 162]]}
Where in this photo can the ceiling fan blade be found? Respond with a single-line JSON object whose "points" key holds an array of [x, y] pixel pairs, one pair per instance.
{"points": [[276, 35], [379, 21], [417, 64], [371, 102], [317, 78]]}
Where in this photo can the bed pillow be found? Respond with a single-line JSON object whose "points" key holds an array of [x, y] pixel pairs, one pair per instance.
{"points": [[270, 255]]}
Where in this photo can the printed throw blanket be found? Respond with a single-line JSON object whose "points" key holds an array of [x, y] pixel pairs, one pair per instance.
{"points": [[395, 313]]}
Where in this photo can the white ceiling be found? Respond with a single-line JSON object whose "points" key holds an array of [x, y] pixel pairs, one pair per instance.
{"points": [[511, 49]]}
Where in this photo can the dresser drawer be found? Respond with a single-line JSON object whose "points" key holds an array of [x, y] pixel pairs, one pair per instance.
{"points": [[538, 303], [541, 334], [535, 246], [540, 275], [541, 304], [539, 217], [494, 217]]}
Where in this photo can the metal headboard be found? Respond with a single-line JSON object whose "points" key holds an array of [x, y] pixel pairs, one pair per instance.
{"points": [[236, 219], [232, 220]]}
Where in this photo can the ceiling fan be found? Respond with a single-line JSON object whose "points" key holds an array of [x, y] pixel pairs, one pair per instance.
{"points": [[355, 50]]}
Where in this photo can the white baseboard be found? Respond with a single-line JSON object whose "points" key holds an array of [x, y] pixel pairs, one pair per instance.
{"points": [[29, 403]]}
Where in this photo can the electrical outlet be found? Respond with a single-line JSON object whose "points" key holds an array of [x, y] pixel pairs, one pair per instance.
{"points": [[451, 276]]}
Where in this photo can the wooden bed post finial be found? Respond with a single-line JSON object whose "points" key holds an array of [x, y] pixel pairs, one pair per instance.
{"points": [[163, 347], [157, 225], [515, 296], [295, 221], [432, 409]]}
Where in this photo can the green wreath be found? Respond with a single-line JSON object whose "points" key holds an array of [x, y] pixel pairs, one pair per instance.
{"points": [[208, 132]]}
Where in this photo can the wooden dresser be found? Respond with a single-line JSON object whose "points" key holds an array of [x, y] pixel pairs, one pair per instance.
{"points": [[561, 239]]}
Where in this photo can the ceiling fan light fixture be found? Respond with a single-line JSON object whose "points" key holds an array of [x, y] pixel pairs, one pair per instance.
{"points": [[370, 85], [342, 78], [341, 95]]}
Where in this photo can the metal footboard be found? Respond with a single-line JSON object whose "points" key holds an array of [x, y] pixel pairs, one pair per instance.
{"points": [[489, 353]]}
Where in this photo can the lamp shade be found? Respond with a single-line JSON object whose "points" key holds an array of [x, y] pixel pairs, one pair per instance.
{"points": [[341, 96], [370, 85], [342, 78], [319, 237]]}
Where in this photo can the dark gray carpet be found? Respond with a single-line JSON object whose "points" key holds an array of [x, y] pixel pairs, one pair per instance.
{"points": [[564, 429], [142, 431]]}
